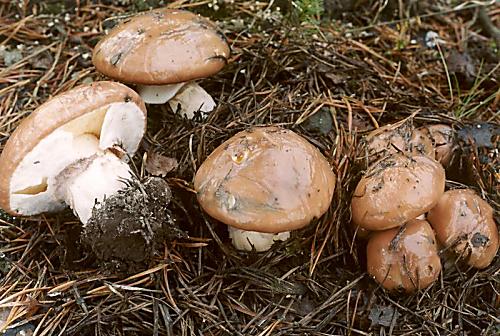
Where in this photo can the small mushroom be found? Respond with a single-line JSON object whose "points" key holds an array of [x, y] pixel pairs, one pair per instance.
{"points": [[404, 258], [70, 150], [442, 139], [395, 190], [267, 180], [164, 51], [464, 222], [400, 137]]}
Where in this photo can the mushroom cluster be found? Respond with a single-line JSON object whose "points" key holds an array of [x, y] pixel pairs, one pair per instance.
{"points": [[73, 149], [263, 183], [404, 182]]}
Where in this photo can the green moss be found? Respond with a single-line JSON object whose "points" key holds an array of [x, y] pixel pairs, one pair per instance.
{"points": [[308, 11]]}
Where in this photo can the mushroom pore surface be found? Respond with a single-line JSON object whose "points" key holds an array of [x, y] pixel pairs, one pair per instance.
{"points": [[265, 179], [163, 46], [404, 258], [396, 190], [464, 221], [86, 121]]}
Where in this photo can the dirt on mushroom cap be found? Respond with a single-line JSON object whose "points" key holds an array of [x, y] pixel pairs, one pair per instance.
{"points": [[395, 190], [163, 46]]}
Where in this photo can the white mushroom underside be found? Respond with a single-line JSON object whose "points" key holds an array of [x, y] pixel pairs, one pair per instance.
{"points": [[103, 176], [260, 241], [158, 94], [183, 98], [33, 184]]}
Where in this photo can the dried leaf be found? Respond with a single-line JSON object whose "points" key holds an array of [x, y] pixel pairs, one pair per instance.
{"points": [[160, 165]]}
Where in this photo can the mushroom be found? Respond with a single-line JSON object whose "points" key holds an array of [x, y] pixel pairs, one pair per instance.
{"points": [[400, 137], [395, 190], [442, 139], [163, 51], [71, 150], [266, 180], [464, 222], [404, 258]]}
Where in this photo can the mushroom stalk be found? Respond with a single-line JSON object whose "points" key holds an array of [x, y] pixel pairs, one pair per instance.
{"points": [[90, 181], [250, 240], [184, 98]]}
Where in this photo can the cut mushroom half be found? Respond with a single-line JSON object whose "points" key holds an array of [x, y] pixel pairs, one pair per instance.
{"points": [[71, 150], [163, 52], [263, 183]]}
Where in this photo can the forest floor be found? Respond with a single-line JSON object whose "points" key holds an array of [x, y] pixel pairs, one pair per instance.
{"points": [[329, 71]]}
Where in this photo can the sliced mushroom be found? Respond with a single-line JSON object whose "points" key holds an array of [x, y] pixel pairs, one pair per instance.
{"points": [[464, 222], [395, 190], [265, 179], [70, 150], [404, 258], [163, 51]]}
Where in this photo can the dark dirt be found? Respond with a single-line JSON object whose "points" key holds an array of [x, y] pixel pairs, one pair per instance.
{"points": [[125, 230]]}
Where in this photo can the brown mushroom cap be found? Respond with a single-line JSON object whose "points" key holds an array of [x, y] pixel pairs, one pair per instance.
{"points": [[397, 138], [464, 221], [395, 190], [56, 113], [442, 139], [265, 179], [163, 46], [404, 258]]}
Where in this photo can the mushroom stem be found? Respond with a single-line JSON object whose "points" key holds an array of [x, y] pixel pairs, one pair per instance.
{"points": [[260, 241], [190, 99], [184, 98], [158, 94], [91, 180]]}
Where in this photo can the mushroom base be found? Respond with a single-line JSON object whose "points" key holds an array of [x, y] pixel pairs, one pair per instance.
{"points": [[258, 241], [125, 229]]}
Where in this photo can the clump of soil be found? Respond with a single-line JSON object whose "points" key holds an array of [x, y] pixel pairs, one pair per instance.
{"points": [[126, 228]]}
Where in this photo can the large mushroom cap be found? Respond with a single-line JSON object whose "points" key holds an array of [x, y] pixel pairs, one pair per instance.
{"points": [[265, 179], [404, 258], [68, 128], [464, 221], [396, 190], [163, 46]]}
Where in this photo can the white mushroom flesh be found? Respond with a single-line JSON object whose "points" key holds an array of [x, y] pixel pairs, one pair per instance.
{"points": [[158, 94], [33, 185], [90, 182], [190, 99], [258, 241]]}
